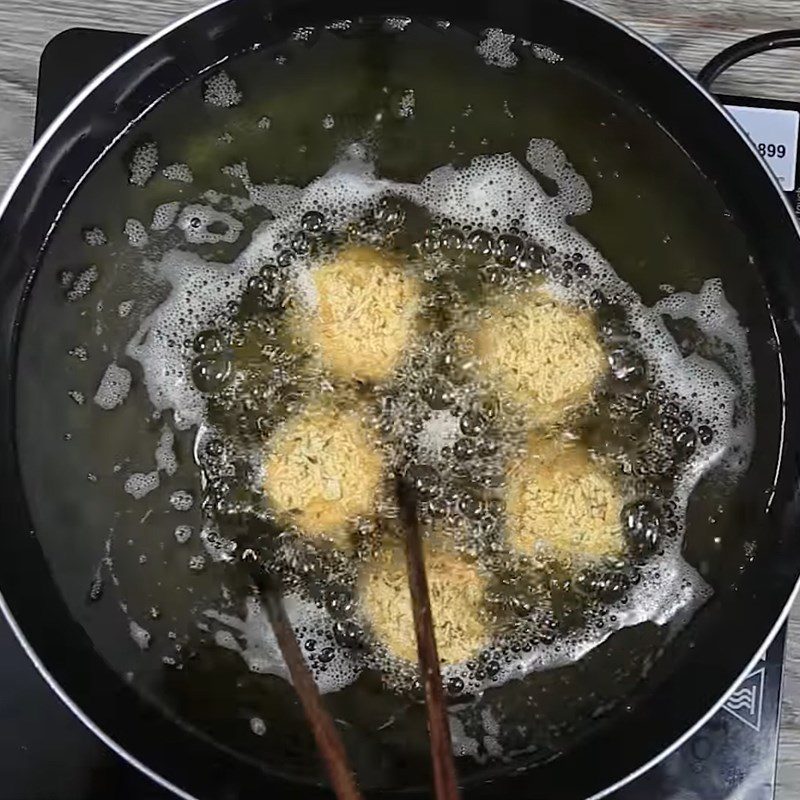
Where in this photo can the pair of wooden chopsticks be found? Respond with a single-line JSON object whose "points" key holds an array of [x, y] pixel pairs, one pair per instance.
{"points": [[327, 738]]}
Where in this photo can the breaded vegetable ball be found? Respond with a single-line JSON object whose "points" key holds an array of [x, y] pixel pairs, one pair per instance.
{"points": [[542, 354], [561, 503], [322, 471], [456, 589], [366, 314]]}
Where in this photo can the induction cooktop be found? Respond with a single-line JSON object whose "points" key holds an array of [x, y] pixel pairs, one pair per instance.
{"points": [[47, 753]]}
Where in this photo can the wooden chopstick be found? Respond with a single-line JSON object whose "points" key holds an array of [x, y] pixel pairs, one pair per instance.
{"points": [[329, 743], [444, 771], [327, 738]]}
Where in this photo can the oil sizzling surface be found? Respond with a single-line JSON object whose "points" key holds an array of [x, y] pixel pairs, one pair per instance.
{"points": [[117, 499]]}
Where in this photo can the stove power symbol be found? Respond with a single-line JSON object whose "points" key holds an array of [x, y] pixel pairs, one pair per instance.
{"points": [[746, 702]]}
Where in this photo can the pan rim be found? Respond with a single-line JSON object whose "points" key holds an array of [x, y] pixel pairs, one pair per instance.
{"points": [[107, 73]]}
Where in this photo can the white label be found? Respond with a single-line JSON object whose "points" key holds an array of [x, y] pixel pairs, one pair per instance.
{"points": [[774, 133]]}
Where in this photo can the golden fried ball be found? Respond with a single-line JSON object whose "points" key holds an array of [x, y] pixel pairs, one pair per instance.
{"points": [[365, 316], [561, 503], [322, 471], [456, 589], [542, 354]]}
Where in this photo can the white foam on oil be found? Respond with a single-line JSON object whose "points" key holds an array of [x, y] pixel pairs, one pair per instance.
{"points": [[140, 484], [140, 635], [495, 190], [545, 53], [200, 291], [196, 222], [670, 591], [114, 387], [166, 460], [226, 639], [181, 500], [718, 321], [82, 284], [404, 104], [125, 307], [574, 194], [255, 641], [396, 24], [143, 164], [222, 91], [339, 25], [495, 48], [181, 173], [136, 233], [165, 215], [461, 743], [440, 430], [183, 533], [218, 547], [197, 563], [258, 726], [94, 236], [303, 34], [269, 195]]}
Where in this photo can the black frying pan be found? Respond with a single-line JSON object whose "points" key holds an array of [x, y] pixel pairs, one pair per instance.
{"points": [[753, 589]]}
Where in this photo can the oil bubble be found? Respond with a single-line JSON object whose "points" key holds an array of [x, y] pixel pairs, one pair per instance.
{"points": [[437, 394], [312, 222], [626, 365], [208, 342], [507, 249], [642, 524], [301, 243], [340, 605], [424, 479], [463, 449], [451, 242], [389, 214], [210, 373], [348, 634], [455, 686], [285, 258], [686, 440], [472, 423], [597, 298], [430, 242], [480, 244]]}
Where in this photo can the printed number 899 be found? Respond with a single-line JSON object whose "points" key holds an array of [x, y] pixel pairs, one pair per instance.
{"points": [[772, 150]]}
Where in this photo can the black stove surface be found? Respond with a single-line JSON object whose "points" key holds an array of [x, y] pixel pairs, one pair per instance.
{"points": [[47, 754]]}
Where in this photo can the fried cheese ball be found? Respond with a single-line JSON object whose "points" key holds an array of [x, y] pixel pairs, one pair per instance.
{"points": [[456, 589], [541, 354], [366, 314], [561, 503], [323, 470]]}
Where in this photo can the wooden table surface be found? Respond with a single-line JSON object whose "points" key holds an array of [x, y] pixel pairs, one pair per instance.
{"points": [[691, 31]]}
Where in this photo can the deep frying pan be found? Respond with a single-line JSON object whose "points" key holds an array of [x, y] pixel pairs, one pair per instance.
{"points": [[706, 659]]}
